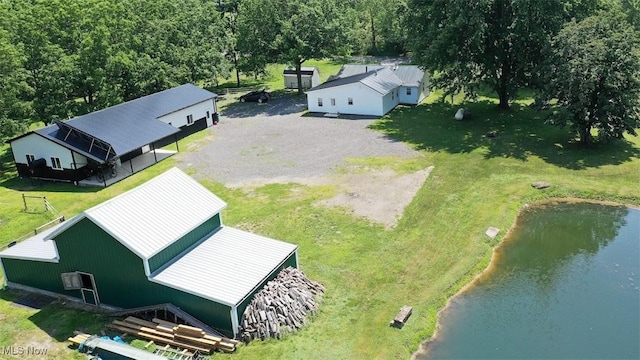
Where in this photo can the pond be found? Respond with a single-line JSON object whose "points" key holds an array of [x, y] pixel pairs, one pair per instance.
{"points": [[563, 285]]}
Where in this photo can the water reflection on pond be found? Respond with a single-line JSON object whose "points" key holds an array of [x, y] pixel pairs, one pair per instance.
{"points": [[564, 285]]}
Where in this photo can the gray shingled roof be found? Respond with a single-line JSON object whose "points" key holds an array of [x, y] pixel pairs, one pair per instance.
{"points": [[130, 125], [382, 81], [411, 75], [353, 69]]}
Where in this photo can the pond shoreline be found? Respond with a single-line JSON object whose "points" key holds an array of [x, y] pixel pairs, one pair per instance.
{"points": [[423, 347]]}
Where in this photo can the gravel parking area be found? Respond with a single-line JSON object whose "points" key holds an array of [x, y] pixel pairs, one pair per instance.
{"points": [[254, 144], [261, 142]]}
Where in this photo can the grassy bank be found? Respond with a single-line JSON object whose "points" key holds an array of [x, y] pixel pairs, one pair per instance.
{"points": [[370, 272]]}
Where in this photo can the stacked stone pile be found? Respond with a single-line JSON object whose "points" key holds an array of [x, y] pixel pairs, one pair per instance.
{"points": [[281, 307]]}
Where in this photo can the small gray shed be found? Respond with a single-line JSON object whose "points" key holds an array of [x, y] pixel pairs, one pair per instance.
{"points": [[310, 77]]}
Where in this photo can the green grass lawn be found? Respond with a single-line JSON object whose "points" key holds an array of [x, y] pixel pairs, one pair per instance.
{"points": [[369, 272], [274, 80]]}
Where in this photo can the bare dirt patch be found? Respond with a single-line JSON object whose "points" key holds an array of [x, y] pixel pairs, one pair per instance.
{"points": [[379, 196]]}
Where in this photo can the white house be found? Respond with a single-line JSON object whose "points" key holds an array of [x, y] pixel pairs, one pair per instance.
{"points": [[69, 150], [415, 84], [373, 93], [310, 77], [369, 89]]}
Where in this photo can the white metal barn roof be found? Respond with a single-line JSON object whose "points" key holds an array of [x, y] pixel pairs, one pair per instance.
{"points": [[37, 247], [153, 215], [227, 266]]}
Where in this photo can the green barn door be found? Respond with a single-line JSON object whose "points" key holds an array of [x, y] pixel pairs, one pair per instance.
{"points": [[89, 290]]}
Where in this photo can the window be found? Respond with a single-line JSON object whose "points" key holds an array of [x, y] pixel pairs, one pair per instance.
{"points": [[30, 159], [350, 101], [189, 119], [393, 95], [55, 163], [333, 102], [319, 101], [408, 91], [71, 281], [208, 115]]}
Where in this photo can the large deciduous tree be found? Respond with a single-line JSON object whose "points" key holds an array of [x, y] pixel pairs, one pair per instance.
{"points": [[594, 73], [473, 44], [290, 31], [13, 108], [384, 22]]}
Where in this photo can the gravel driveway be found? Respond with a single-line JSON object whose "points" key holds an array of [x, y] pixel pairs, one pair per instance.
{"points": [[273, 143]]}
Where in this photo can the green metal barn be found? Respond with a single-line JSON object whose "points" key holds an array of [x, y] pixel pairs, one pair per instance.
{"points": [[162, 242]]}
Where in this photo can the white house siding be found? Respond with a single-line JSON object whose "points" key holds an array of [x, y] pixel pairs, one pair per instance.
{"points": [[179, 118], [39, 147], [412, 99], [390, 101], [424, 88], [366, 101]]}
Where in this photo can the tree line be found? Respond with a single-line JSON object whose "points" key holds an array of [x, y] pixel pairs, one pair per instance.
{"points": [[581, 56], [66, 58], [62, 58]]}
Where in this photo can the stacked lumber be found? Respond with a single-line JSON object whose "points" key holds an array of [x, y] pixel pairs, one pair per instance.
{"points": [[181, 336], [281, 307], [78, 338]]}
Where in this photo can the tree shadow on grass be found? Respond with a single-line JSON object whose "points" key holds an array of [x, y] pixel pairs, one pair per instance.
{"points": [[57, 320], [25, 185], [517, 133], [60, 322]]}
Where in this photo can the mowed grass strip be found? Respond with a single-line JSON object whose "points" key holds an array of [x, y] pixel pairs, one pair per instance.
{"points": [[437, 247]]}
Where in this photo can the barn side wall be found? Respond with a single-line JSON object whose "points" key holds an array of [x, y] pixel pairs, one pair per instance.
{"points": [[173, 250], [119, 275]]}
